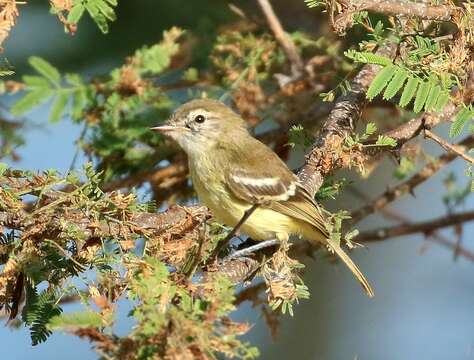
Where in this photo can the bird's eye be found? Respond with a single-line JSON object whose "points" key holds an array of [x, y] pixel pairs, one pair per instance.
{"points": [[199, 119]]}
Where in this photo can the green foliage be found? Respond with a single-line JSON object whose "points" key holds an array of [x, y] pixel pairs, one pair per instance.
{"points": [[413, 74], [154, 59], [38, 311], [5, 68], [366, 57], [395, 84], [371, 128], [381, 81], [101, 11], [298, 135], [314, 3], [162, 302], [462, 117], [422, 95], [405, 168], [384, 140], [49, 84], [331, 188], [409, 91], [74, 321], [127, 104]]}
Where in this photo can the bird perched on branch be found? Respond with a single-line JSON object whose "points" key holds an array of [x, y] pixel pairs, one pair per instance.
{"points": [[233, 172]]}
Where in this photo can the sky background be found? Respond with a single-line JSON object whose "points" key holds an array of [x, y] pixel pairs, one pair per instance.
{"points": [[423, 307]]}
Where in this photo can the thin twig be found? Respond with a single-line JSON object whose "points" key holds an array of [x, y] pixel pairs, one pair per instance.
{"points": [[426, 227], [402, 219], [447, 146], [409, 185], [282, 37]]}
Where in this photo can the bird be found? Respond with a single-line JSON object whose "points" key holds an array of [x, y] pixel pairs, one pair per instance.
{"points": [[232, 171]]}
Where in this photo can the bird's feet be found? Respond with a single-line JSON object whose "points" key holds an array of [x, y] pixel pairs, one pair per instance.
{"points": [[252, 249]]}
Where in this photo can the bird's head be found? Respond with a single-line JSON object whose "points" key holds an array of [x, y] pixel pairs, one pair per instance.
{"points": [[199, 124]]}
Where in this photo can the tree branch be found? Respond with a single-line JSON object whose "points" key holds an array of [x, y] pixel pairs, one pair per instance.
{"points": [[426, 227], [297, 66], [447, 146], [421, 10], [408, 186], [324, 157]]}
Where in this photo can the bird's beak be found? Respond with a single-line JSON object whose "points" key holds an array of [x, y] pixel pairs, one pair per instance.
{"points": [[168, 128], [163, 128]]}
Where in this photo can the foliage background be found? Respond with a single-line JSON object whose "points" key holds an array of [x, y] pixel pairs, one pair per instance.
{"points": [[423, 307]]}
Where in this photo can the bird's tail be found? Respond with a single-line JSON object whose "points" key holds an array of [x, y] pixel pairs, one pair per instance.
{"points": [[352, 267], [318, 236]]}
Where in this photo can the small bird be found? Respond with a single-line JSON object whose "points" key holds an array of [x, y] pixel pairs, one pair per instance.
{"points": [[232, 171]]}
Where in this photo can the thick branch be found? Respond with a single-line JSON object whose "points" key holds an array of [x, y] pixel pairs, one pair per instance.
{"points": [[408, 8], [340, 123], [426, 227]]}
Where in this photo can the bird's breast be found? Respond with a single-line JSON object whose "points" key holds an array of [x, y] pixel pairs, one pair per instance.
{"points": [[210, 186]]}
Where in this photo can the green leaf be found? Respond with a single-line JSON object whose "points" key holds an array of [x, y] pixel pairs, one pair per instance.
{"points": [[368, 58], [380, 81], [98, 17], [74, 79], [461, 118], [76, 13], [3, 167], [36, 81], [442, 100], [30, 100], [409, 91], [432, 97], [106, 10], [58, 107], [405, 168], [383, 140], [422, 95], [370, 129], [46, 69], [75, 320], [396, 83], [79, 101]]}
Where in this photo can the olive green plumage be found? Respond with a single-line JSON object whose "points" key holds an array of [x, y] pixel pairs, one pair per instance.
{"points": [[231, 171]]}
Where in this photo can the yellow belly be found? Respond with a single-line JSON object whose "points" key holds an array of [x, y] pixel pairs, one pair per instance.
{"points": [[263, 224]]}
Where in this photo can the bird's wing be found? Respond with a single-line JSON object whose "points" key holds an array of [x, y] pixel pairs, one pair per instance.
{"points": [[259, 176], [260, 187], [301, 206], [277, 187]]}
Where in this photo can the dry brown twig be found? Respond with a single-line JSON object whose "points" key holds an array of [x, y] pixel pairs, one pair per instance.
{"points": [[283, 38], [403, 220], [426, 227], [409, 185], [449, 147], [399, 8]]}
